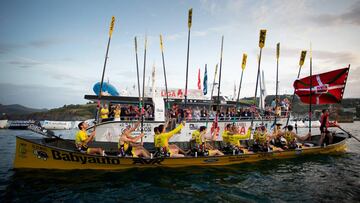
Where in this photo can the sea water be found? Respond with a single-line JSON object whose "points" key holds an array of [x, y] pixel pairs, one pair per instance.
{"points": [[318, 178]]}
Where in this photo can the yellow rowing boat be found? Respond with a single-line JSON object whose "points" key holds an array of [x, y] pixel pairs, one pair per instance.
{"points": [[54, 153]]}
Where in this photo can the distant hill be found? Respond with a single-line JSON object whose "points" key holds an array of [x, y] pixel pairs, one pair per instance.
{"points": [[67, 113], [17, 110]]}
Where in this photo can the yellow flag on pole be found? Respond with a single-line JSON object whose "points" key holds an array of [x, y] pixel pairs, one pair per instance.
{"points": [[243, 64], [277, 50], [190, 18], [145, 42], [262, 38], [302, 58], [161, 43], [112, 26]]}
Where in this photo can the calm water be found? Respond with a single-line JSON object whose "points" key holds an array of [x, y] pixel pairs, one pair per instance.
{"points": [[311, 179]]}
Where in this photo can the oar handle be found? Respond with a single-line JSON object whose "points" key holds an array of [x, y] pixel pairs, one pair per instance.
{"points": [[350, 135]]}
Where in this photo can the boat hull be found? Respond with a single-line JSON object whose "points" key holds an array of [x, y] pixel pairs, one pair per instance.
{"points": [[31, 154]]}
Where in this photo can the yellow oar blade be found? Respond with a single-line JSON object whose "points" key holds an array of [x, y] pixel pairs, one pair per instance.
{"points": [[262, 38], [302, 58], [112, 26], [243, 64], [190, 18], [161, 43]]}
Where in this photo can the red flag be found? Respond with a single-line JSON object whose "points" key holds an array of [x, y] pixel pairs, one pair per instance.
{"points": [[327, 88], [199, 80]]}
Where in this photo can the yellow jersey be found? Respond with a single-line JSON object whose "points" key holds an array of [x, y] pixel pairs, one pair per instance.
{"points": [[157, 140], [196, 135], [80, 137], [104, 113], [225, 136], [289, 137], [260, 137], [117, 113], [164, 137], [235, 139]]}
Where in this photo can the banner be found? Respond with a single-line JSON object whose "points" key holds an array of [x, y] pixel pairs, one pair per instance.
{"points": [[327, 88]]}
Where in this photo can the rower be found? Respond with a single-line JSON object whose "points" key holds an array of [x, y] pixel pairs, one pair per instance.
{"points": [[292, 138], [170, 150], [225, 134], [82, 139], [276, 136], [128, 145], [236, 137], [261, 139], [200, 136]]}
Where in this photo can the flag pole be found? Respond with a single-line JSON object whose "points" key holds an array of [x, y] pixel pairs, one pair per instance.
{"points": [[261, 45], [301, 63], [219, 85], [277, 80], [310, 106], [166, 88], [106, 57], [137, 71], [211, 95], [243, 65], [187, 58], [143, 90]]}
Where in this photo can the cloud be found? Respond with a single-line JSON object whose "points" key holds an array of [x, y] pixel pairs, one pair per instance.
{"points": [[350, 17], [43, 43], [26, 63], [8, 47], [329, 57]]}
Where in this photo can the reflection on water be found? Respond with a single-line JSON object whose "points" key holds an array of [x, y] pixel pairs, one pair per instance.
{"points": [[312, 179]]}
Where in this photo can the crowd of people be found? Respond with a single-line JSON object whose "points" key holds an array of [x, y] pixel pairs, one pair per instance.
{"points": [[233, 142], [128, 112]]}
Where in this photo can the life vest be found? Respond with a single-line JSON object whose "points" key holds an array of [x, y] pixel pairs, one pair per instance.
{"points": [[289, 137], [260, 137]]}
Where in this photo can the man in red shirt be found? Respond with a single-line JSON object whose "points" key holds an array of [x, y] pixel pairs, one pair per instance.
{"points": [[324, 120]]}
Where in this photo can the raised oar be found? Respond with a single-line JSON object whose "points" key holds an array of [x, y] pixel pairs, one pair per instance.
{"points": [[277, 81], [164, 69], [211, 95], [106, 57], [301, 63], [143, 90], [261, 45], [310, 109], [243, 65], [137, 71], [42, 131], [187, 58], [219, 85]]}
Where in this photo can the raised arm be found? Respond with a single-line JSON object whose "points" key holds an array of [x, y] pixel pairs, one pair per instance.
{"points": [[131, 139], [165, 126], [176, 130], [135, 126]]}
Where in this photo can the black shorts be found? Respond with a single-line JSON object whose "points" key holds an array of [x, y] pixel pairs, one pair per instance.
{"points": [[324, 129]]}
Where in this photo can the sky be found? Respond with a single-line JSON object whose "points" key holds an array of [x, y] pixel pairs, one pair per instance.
{"points": [[52, 52]]}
